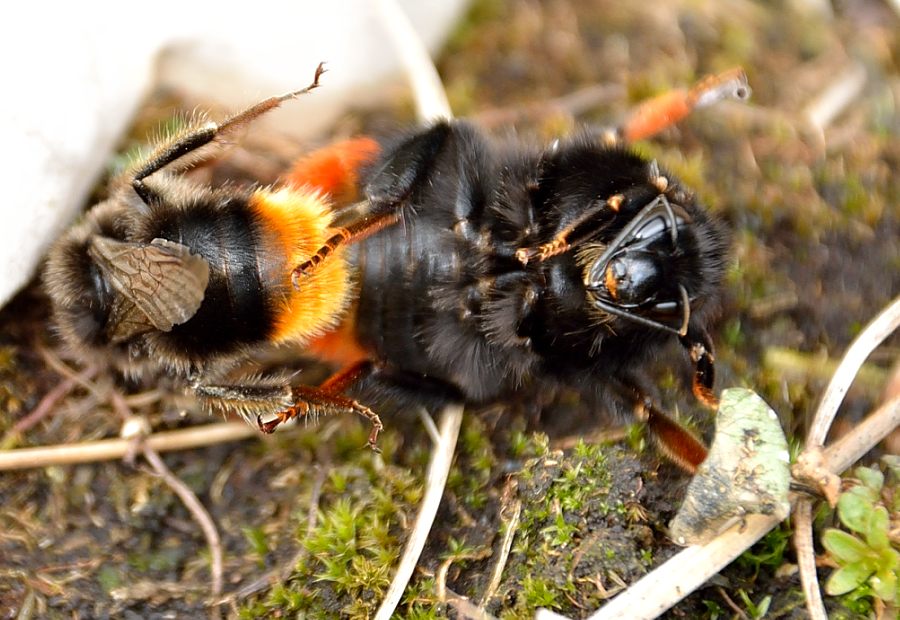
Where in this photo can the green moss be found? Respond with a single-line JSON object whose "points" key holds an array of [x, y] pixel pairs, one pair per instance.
{"points": [[575, 525], [470, 479], [109, 577], [350, 554], [540, 593], [768, 552], [256, 538]]}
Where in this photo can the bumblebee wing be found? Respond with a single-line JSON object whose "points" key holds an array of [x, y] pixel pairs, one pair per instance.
{"points": [[162, 278], [126, 321]]}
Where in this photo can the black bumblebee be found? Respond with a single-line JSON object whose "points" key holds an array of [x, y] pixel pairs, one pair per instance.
{"points": [[511, 266]]}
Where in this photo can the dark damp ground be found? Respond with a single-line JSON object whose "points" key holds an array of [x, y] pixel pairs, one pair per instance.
{"points": [[816, 254]]}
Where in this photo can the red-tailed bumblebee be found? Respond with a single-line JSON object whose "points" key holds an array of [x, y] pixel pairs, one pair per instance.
{"points": [[189, 278], [515, 266]]}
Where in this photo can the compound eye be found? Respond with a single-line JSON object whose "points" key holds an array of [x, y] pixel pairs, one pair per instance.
{"points": [[651, 229], [666, 308]]}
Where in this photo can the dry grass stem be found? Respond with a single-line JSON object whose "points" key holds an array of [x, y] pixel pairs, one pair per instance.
{"points": [[438, 470], [110, 449], [198, 512], [509, 534]]}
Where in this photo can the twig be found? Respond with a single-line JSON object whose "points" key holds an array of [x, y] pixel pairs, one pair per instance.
{"points": [[465, 608], [201, 516], [438, 470], [740, 612], [836, 97], [505, 546], [49, 400], [135, 429], [428, 90], [66, 371], [874, 334], [110, 449], [440, 579], [806, 560], [841, 454]]}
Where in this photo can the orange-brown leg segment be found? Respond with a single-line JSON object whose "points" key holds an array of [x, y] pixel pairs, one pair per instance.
{"points": [[572, 235], [677, 443], [700, 348], [655, 115], [328, 399], [357, 231], [680, 445]]}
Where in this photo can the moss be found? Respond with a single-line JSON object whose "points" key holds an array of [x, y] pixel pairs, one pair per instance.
{"points": [[575, 525], [350, 554]]}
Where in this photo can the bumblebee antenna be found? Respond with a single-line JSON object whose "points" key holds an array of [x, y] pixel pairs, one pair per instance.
{"points": [[660, 205], [625, 313]]}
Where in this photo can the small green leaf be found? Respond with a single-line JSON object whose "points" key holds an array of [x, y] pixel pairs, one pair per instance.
{"points": [[845, 548], [877, 529], [763, 608], [872, 478], [854, 510], [892, 461], [884, 584], [847, 578]]}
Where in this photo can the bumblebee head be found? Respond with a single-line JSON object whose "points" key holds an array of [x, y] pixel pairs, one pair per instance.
{"points": [[81, 297], [83, 300], [651, 271]]}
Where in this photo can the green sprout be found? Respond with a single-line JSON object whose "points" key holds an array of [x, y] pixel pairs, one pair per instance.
{"points": [[867, 559]]}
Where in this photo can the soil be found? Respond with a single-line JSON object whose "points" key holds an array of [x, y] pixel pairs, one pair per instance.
{"points": [[311, 525]]}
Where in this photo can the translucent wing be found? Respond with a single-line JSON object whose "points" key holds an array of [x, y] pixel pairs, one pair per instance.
{"points": [[162, 279], [126, 321]]}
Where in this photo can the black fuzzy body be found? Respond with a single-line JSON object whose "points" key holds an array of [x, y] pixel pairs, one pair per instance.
{"points": [[443, 298], [236, 311]]}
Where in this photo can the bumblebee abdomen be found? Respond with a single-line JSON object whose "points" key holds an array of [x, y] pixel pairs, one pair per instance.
{"points": [[234, 309], [252, 243], [294, 224]]}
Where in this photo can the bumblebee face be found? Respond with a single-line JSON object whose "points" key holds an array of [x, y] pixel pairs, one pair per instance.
{"points": [[637, 276], [81, 296]]}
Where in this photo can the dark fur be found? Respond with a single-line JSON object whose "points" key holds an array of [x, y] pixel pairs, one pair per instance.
{"points": [[443, 297]]}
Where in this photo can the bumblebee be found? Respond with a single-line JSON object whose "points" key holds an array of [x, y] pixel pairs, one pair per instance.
{"points": [[515, 266], [187, 278]]}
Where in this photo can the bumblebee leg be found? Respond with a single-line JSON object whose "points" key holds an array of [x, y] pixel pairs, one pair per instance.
{"points": [[182, 147], [389, 187], [313, 402], [584, 227], [655, 115], [286, 402], [371, 223], [676, 442], [328, 399], [700, 348]]}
